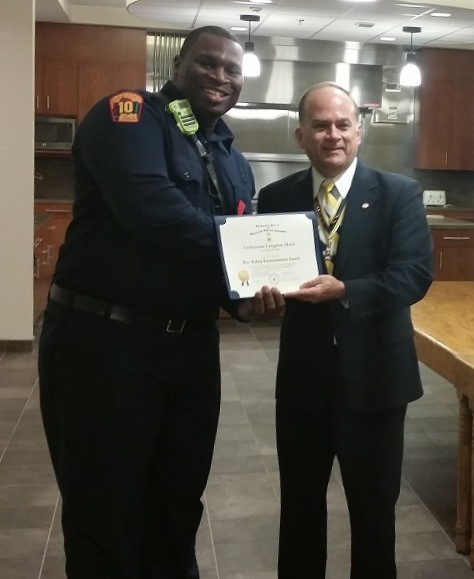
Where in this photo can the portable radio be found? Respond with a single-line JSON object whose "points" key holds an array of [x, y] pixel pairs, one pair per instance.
{"points": [[184, 116]]}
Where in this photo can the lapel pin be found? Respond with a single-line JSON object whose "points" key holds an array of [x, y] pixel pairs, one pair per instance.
{"points": [[365, 205]]}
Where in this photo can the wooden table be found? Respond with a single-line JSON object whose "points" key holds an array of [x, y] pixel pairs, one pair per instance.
{"points": [[444, 335]]}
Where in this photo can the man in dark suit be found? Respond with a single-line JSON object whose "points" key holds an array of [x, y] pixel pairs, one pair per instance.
{"points": [[347, 365]]}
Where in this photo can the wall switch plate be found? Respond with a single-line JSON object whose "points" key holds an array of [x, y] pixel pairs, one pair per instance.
{"points": [[435, 198]]}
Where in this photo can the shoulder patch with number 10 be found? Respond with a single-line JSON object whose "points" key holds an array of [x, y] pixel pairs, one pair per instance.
{"points": [[126, 107]]}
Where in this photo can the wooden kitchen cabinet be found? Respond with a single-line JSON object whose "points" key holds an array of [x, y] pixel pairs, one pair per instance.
{"points": [[446, 138], [94, 62], [56, 87], [48, 238], [42, 267], [453, 254], [96, 80], [60, 215]]}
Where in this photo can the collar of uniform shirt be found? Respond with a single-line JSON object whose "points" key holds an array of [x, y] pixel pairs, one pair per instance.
{"points": [[342, 182]]}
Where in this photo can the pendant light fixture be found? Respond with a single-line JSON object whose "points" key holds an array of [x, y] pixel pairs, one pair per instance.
{"points": [[410, 74], [251, 63]]}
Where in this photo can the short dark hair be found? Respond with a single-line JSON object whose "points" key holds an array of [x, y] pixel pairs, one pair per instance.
{"points": [[197, 32], [319, 86]]}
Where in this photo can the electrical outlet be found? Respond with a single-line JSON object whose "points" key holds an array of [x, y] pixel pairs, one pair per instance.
{"points": [[434, 197]]}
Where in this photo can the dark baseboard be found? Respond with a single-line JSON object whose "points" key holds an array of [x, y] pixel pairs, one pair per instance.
{"points": [[17, 346]]}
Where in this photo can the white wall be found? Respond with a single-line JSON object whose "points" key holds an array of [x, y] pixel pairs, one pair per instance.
{"points": [[16, 169]]}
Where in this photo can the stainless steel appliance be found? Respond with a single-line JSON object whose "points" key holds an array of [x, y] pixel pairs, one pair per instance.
{"points": [[54, 133]]}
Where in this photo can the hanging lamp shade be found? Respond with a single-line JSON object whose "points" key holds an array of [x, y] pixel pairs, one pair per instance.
{"points": [[410, 74], [251, 62]]}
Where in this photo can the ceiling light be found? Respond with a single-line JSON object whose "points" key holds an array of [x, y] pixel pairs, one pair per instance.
{"points": [[388, 38], [441, 14], [251, 63], [250, 2], [410, 74]]}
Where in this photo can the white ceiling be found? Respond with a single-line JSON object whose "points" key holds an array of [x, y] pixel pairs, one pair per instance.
{"points": [[304, 19]]}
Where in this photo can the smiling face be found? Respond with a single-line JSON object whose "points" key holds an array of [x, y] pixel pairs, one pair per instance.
{"points": [[209, 74], [329, 131]]}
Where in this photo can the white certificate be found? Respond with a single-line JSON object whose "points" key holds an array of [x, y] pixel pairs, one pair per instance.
{"points": [[275, 249]]}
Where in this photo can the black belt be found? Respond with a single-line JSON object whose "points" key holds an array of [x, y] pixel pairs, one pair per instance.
{"points": [[90, 305]]}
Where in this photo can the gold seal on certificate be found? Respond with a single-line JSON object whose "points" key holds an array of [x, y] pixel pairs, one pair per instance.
{"points": [[276, 250]]}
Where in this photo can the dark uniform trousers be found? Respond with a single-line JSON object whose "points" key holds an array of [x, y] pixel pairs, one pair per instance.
{"points": [[130, 415], [369, 448]]}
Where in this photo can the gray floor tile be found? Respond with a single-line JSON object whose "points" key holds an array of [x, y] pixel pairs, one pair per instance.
{"points": [[259, 528], [29, 543], [439, 569], [25, 517], [240, 495], [239, 532], [423, 546], [53, 568], [20, 567], [238, 464], [246, 559]]}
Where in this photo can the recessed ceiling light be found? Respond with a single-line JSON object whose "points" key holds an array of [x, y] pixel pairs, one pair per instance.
{"points": [[388, 38], [239, 28], [364, 24], [410, 5], [441, 14]]}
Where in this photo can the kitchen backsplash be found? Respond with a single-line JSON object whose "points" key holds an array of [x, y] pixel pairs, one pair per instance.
{"points": [[459, 185], [54, 179]]}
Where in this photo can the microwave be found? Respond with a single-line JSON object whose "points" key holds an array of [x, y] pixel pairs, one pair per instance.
{"points": [[54, 133]]}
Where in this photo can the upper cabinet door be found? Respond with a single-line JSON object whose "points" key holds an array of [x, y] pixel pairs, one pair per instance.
{"points": [[93, 61], [56, 87], [96, 80], [446, 136]]}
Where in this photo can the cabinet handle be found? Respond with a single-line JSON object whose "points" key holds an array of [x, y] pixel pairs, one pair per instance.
{"points": [[49, 253], [457, 237], [47, 102], [37, 101], [440, 260], [45, 257], [36, 272], [64, 211], [445, 158]]}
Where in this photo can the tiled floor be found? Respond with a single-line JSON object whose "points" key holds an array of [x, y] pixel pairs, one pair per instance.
{"points": [[238, 537]]}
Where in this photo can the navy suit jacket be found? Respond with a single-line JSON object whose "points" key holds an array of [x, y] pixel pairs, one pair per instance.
{"points": [[384, 258]]}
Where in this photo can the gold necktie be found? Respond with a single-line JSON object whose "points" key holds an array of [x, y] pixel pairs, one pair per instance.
{"points": [[330, 217], [330, 200]]}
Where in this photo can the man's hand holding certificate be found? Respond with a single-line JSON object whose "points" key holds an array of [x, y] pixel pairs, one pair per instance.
{"points": [[274, 250]]}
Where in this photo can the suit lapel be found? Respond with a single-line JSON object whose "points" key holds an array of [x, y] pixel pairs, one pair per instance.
{"points": [[361, 198], [302, 195]]}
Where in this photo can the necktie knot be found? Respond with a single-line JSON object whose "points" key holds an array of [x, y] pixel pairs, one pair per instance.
{"points": [[329, 199], [327, 185], [329, 191]]}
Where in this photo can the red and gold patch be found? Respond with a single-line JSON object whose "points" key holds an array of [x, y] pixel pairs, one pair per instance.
{"points": [[126, 107]]}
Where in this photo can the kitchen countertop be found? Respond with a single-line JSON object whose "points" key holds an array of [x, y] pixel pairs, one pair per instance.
{"points": [[449, 208], [445, 222]]}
